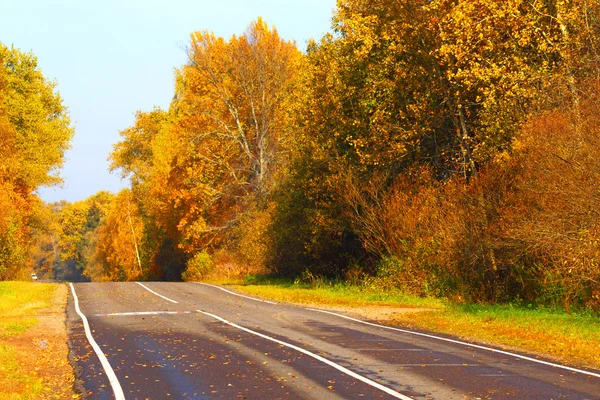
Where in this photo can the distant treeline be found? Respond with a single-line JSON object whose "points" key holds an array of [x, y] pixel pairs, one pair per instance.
{"points": [[444, 147]]}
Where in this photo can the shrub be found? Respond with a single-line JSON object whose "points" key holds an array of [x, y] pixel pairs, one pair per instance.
{"points": [[198, 267], [527, 227], [554, 216], [253, 242]]}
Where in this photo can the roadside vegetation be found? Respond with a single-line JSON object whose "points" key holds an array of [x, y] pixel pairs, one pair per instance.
{"points": [[573, 338], [33, 348], [322, 292]]}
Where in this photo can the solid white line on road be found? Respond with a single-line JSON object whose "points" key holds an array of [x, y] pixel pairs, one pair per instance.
{"points": [[236, 294], [462, 343], [110, 373], [142, 313], [159, 295], [346, 371]]}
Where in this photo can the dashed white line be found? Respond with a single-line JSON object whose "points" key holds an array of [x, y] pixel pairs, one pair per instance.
{"points": [[159, 295], [110, 373], [346, 371], [236, 294], [476, 346], [125, 314]]}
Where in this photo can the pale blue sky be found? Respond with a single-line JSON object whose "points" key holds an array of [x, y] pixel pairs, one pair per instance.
{"points": [[113, 57]]}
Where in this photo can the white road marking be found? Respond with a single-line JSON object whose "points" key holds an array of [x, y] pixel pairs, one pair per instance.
{"points": [[159, 295], [437, 365], [142, 313], [236, 294], [110, 373], [462, 343], [383, 349], [346, 371]]}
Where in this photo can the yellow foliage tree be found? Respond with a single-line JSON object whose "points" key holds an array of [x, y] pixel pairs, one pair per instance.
{"points": [[230, 125], [117, 251], [34, 134], [196, 168]]}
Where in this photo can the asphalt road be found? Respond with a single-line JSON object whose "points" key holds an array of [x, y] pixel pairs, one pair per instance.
{"points": [[165, 340]]}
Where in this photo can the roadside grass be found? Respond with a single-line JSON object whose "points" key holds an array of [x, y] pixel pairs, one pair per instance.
{"points": [[572, 338], [15, 381], [19, 304], [33, 357], [330, 293]]}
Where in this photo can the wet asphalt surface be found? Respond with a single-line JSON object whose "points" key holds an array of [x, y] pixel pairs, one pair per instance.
{"points": [[189, 354]]}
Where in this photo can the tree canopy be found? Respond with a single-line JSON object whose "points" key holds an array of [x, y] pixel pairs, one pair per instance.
{"points": [[35, 132]]}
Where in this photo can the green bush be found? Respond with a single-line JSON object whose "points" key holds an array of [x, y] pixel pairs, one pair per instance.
{"points": [[198, 267]]}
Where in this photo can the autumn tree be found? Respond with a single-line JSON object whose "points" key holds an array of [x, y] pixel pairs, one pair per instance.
{"points": [[145, 157], [116, 255], [44, 254], [242, 84], [134, 155], [552, 220], [442, 82], [40, 124], [78, 223], [198, 167], [34, 134], [231, 123]]}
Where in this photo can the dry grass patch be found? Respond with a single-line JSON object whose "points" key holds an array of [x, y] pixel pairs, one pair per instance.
{"points": [[33, 342]]}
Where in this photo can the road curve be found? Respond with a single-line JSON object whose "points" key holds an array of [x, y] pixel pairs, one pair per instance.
{"points": [[165, 340]]}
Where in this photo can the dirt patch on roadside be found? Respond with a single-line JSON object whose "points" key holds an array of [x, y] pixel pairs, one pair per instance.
{"points": [[43, 349], [373, 313]]}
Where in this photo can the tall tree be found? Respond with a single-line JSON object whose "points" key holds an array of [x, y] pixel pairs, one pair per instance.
{"points": [[230, 125], [34, 134], [236, 90], [197, 168], [145, 155], [117, 252], [41, 131]]}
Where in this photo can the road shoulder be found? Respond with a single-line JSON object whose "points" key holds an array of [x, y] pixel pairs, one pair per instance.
{"points": [[41, 352], [570, 339]]}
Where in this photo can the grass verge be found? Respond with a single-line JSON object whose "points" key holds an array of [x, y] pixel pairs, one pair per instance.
{"points": [[574, 338], [33, 350], [571, 338]]}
